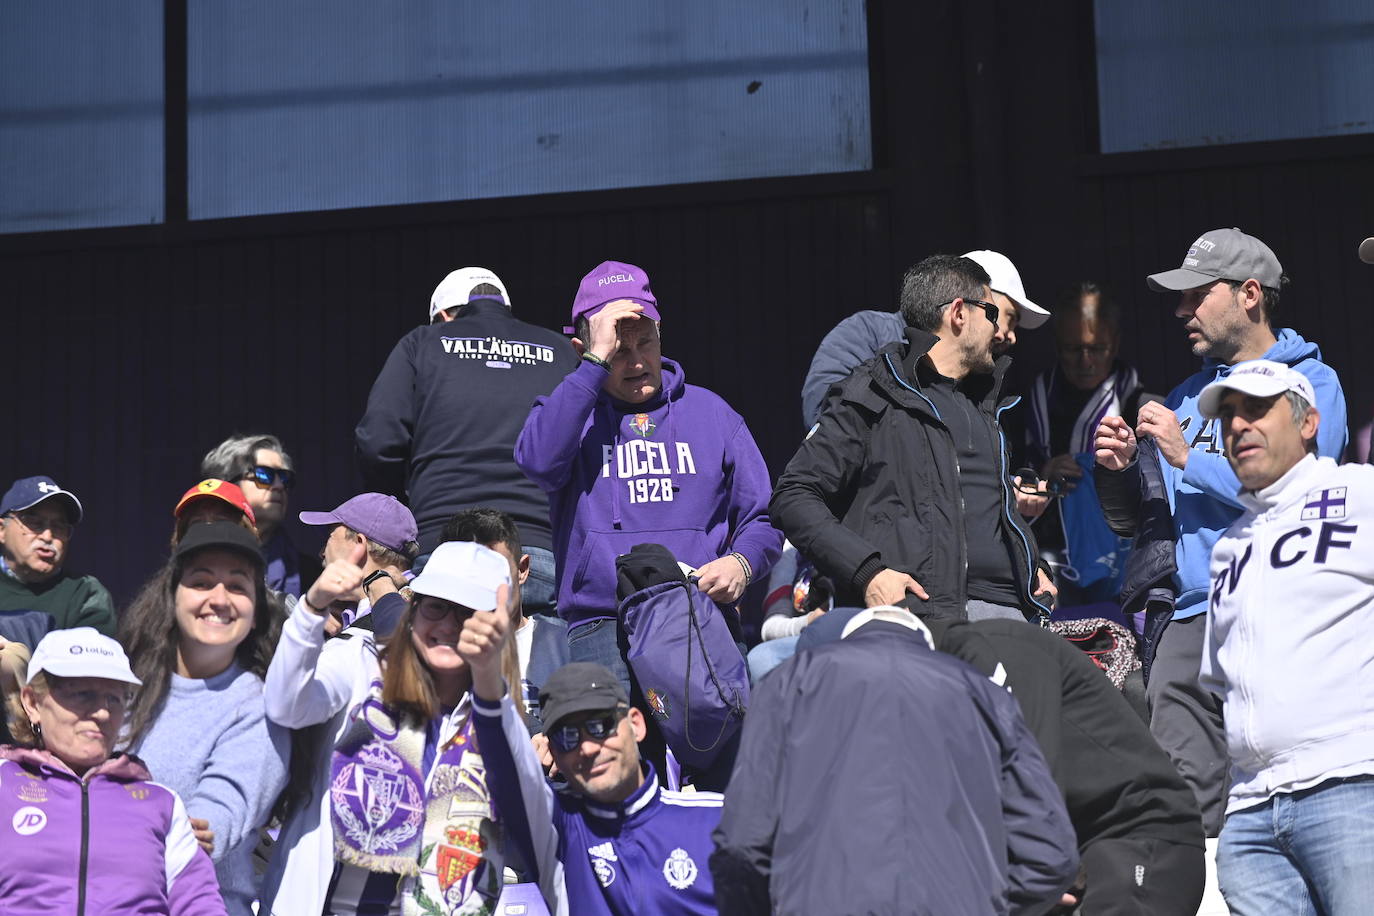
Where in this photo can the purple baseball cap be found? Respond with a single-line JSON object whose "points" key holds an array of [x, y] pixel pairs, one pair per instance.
{"points": [[375, 516], [611, 281]]}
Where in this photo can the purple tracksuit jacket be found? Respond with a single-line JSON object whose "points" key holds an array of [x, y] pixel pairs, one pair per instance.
{"points": [[679, 470], [113, 842]]}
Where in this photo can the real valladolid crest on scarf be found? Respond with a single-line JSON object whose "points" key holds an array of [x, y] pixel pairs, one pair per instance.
{"points": [[447, 839]]}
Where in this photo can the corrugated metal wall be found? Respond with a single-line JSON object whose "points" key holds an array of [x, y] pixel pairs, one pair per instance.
{"points": [[128, 353]]}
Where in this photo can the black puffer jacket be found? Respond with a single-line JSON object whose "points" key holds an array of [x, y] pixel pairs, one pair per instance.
{"points": [[876, 485]]}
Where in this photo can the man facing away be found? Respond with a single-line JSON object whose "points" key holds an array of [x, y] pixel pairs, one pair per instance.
{"points": [[444, 413]]}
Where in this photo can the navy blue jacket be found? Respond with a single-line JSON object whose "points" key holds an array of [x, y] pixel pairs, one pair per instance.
{"points": [[444, 414], [878, 776], [853, 341], [647, 854]]}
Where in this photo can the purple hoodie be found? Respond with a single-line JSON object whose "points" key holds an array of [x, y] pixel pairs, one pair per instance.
{"points": [[679, 470], [113, 842]]}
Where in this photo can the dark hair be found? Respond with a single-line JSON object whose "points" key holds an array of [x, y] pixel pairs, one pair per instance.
{"points": [[1271, 296], [485, 526], [1107, 313], [148, 631], [231, 459], [485, 291], [928, 287]]}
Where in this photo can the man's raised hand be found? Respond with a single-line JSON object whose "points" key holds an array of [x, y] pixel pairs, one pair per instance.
{"points": [[342, 578], [1115, 444]]}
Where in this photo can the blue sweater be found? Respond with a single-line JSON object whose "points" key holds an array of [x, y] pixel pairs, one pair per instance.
{"points": [[211, 743], [1204, 495]]}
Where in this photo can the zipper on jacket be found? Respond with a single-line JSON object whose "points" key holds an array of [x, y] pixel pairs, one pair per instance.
{"points": [[85, 847]]}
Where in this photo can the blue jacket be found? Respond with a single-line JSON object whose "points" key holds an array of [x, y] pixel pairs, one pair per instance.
{"points": [[876, 774], [1203, 497], [647, 854], [855, 340]]}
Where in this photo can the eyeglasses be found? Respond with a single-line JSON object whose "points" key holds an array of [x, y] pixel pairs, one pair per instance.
{"points": [[990, 309], [264, 476], [37, 523], [1094, 352], [566, 738], [437, 609]]}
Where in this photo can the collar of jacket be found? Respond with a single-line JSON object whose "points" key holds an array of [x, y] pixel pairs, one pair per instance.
{"points": [[119, 766], [902, 358], [639, 800], [1295, 484]]}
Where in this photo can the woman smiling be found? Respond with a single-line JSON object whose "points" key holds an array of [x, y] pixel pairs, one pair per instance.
{"points": [[201, 635], [92, 834], [400, 819]]}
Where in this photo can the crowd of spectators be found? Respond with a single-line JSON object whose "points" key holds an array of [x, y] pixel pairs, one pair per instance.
{"points": [[990, 677]]}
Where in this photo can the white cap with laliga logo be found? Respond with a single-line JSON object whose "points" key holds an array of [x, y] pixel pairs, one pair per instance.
{"points": [[1262, 378], [81, 652]]}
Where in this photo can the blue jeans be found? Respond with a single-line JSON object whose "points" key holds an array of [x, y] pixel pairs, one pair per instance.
{"points": [[539, 594], [599, 642], [1304, 853], [766, 656]]}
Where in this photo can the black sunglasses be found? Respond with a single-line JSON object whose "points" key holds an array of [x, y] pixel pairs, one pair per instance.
{"points": [[990, 309], [1030, 484], [264, 476], [566, 738]]}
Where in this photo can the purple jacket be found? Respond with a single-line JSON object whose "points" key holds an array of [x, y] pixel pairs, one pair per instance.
{"points": [[679, 470], [113, 842]]}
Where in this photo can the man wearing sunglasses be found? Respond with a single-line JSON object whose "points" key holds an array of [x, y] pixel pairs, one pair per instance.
{"points": [[37, 521], [261, 467], [615, 843], [901, 492]]}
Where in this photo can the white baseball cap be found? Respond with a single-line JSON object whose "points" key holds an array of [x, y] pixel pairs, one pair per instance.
{"points": [[1007, 281], [1262, 378], [82, 652], [465, 573], [456, 289]]}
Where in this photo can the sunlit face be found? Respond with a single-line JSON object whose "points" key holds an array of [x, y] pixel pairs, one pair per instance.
{"points": [[268, 503], [78, 718], [215, 601], [606, 771], [34, 540], [435, 628], [1262, 440], [1215, 319], [980, 334], [1008, 320], [1087, 351], [637, 366]]}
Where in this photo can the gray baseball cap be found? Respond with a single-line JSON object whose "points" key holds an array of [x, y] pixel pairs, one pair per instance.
{"points": [[1221, 254]]}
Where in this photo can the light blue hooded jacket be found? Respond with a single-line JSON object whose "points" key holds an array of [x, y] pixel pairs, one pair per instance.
{"points": [[1204, 495]]}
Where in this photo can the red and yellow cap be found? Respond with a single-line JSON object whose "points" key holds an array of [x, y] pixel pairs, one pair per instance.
{"points": [[216, 489]]}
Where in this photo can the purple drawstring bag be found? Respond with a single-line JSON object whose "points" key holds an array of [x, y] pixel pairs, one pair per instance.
{"points": [[685, 659]]}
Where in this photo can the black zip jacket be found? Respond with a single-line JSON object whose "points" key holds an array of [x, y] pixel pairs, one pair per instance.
{"points": [[876, 485], [444, 414]]}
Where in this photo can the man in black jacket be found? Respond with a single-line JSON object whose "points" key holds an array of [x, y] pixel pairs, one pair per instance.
{"points": [[900, 493], [444, 414], [878, 776]]}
